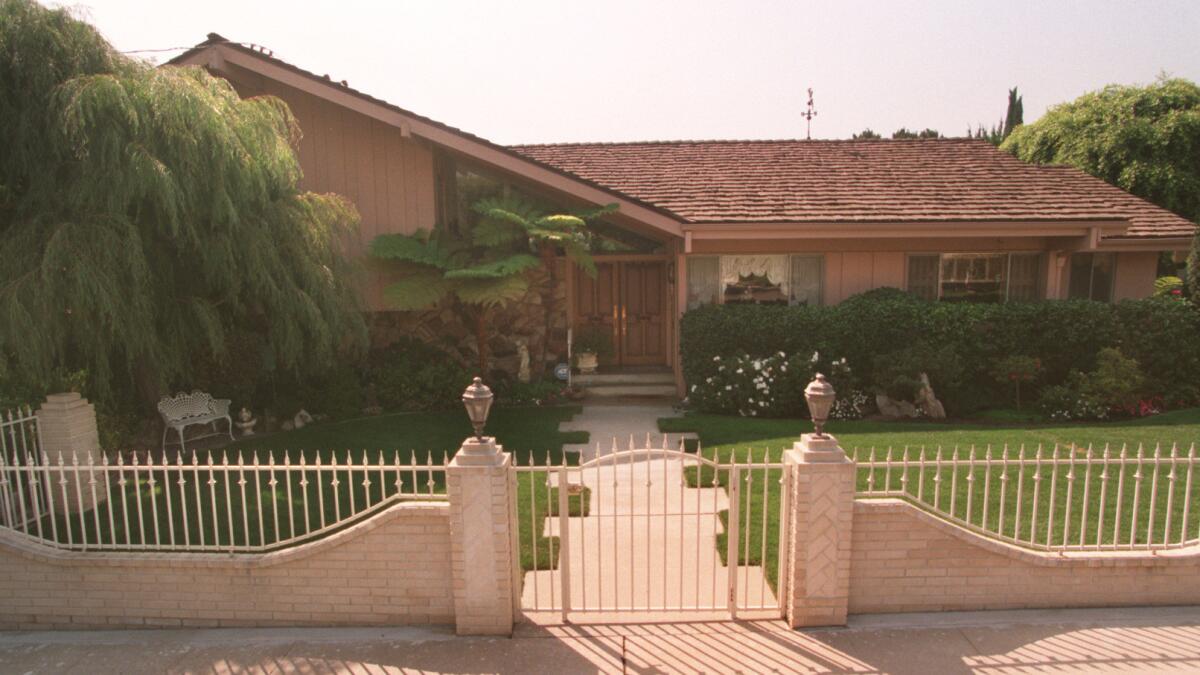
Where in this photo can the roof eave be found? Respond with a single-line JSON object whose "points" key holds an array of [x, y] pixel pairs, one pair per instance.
{"points": [[840, 229], [216, 54]]}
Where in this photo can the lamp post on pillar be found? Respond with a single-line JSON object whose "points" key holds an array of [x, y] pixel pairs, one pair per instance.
{"points": [[820, 446], [478, 449], [821, 507], [480, 486]]}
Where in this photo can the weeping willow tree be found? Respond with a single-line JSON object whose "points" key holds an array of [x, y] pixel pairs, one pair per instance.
{"points": [[149, 215]]}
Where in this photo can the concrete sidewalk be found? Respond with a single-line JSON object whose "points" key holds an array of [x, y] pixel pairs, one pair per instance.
{"points": [[1124, 640]]}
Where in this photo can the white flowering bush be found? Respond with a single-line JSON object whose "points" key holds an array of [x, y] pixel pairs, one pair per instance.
{"points": [[853, 405], [772, 386]]}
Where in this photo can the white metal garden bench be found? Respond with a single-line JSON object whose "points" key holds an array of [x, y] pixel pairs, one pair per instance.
{"points": [[184, 410]]}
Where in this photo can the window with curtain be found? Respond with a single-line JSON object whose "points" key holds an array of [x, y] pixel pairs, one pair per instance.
{"points": [[976, 277], [923, 276], [754, 279], [807, 274], [1025, 276], [1092, 276], [703, 281]]}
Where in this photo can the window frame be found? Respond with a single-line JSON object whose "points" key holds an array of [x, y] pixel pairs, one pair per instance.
{"points": [[1008, 259], [1112, 282], [720, 294]]}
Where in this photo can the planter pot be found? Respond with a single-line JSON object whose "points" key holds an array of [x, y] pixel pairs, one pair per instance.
{"points": [[587, 363]]}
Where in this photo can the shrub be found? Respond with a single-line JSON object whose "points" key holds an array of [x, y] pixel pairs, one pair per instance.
{"points": [[1064, 335], [536, 392], [413, 375], [1116, 387], [771, 386], [1017, 369]]}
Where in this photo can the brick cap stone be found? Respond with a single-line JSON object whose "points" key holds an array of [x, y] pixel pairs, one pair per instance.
{"points": [[813, 449]]}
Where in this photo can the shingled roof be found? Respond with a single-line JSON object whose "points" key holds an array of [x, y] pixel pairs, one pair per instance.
{"points": [[919, 180]]}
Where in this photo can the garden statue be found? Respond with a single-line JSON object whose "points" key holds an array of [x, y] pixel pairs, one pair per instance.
{"points": [[523, 370], [927, 402], [246, 422], [301, 419]]}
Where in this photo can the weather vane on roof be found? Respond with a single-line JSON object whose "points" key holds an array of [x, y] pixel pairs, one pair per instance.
{"points": [[811, 113]]}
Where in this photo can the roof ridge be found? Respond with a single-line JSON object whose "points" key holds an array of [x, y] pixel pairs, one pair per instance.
{"points": [[715, 141]]}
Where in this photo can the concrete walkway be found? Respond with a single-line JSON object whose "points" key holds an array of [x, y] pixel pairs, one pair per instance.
{"points": [[1106, 640], [607, 423], [649, 542]]}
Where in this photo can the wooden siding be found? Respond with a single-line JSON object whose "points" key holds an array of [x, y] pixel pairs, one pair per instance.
{"points": [[388, 177], [1135, 274]]}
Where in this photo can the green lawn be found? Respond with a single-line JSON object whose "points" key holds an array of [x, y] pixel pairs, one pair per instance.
{"points": [[722, 437], [139, 512]]}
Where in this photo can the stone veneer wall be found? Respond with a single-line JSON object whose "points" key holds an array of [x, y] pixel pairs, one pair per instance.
{"points": [[393, 568], [524, 319], [906, 560]]}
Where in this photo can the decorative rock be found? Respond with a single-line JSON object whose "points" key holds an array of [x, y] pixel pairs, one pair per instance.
{"points": [[889, 407], [927, 402]]}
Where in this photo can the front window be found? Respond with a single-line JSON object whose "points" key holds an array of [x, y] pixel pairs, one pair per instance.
{"points": [[1092, 276], [754, 279], [975, 277]]}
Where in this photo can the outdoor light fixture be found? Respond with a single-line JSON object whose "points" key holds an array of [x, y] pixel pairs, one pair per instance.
{"points": [[477, 399], [819, 394]]}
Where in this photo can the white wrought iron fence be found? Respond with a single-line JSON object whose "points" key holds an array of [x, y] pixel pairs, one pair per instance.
{"points": [[652, 529], [19, 436], [201, 502], [1064, 498]]}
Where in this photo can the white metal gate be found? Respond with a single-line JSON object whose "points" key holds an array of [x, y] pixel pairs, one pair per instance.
{"points": [[653, 530]]}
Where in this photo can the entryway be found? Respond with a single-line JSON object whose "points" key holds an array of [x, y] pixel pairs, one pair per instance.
{"points": [[629, 299], [654, 530]]}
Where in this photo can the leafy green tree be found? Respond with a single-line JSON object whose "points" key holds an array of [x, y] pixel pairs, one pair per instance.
{"points": [[866, 135], [903, 132], [149, 214], [1145, 140]]}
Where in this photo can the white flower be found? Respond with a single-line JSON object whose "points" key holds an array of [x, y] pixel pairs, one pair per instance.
{"points": [[693, 387], [716, 358], [728, 387], [739, 371], [782, 355], [816, 357], [783, 368], [709, 381]]}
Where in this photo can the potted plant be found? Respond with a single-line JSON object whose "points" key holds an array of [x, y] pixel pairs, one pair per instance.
{"points": [[592, 343]]}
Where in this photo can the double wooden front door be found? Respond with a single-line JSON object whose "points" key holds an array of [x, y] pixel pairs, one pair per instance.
{"points": [[627, 300]]}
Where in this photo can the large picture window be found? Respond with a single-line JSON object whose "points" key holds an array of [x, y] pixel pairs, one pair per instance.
{"points": [[975, 277], [754, 279], [1092, 276]]}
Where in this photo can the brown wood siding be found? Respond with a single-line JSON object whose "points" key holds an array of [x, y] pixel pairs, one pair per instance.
{"points": [[389, 178]]}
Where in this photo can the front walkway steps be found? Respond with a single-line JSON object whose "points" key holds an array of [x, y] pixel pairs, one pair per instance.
{"points": [[629, 383]]}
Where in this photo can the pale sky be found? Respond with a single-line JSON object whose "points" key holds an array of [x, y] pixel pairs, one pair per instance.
{"points": [[614, 70]]}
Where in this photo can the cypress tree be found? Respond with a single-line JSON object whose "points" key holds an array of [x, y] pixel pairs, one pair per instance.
{"points": [[1014, 116]]}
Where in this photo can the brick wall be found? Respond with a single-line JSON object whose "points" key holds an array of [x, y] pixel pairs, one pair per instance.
{"points": [[905, 560], [393, 568]]}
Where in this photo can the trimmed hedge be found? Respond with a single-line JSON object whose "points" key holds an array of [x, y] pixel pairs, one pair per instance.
{"points": [[1163, 335]]}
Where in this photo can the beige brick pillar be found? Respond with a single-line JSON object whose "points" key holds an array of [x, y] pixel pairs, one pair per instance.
{"points": [[67, 425], [821, 502], [482, 531]]}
